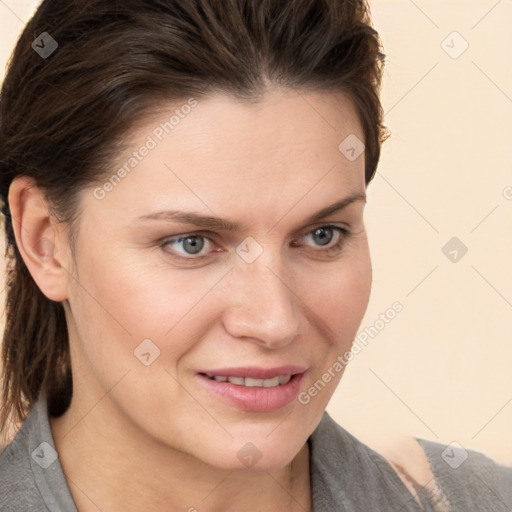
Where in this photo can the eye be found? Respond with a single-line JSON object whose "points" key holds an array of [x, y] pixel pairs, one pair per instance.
{"points": [[323, 238], [189, 245]]}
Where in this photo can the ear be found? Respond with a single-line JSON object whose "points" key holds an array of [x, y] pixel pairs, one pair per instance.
{"points": [[41, 241]]}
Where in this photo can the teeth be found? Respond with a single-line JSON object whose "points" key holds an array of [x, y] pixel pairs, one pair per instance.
{"points": [[271, 383], [284, 379], [251, 383], [237, 380]]}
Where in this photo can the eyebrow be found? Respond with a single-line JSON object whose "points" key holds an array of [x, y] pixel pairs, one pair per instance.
{"points": [[219, 224]]}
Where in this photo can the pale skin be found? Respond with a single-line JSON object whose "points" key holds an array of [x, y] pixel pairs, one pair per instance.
{"points": [[153, 437]]}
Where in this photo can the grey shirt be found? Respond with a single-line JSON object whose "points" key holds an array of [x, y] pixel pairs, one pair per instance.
{"points": [[346, 475]]}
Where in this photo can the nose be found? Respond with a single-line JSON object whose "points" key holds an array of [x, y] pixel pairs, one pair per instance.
{"points": [[262, 306]]}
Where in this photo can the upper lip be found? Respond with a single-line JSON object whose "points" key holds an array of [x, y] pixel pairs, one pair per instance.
{"points": [[255, 372]]}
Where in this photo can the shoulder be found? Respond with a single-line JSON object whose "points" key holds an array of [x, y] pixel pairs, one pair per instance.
{"points": [[18, 490], [347, 473], [31, 477], [404, 474], [457, 479], [469, 478]]}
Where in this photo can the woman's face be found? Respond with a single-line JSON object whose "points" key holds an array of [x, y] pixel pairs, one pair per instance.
{"points": [[233, 245]]}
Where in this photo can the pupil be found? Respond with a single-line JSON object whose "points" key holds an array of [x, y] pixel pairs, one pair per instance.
{"points": [[193, 244], [323, 236]]}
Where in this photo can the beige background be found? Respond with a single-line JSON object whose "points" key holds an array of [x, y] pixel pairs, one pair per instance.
{"points": [[442, 368]]}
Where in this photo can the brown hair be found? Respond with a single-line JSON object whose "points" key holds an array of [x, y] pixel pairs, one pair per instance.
{"points": [[63, 115]]}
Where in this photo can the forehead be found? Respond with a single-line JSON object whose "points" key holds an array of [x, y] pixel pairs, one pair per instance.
{"points": [[215, 150]]}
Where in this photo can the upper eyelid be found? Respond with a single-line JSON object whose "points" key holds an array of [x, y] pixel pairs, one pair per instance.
{"points": [[302, 231], [345, 229], [335, 225]]}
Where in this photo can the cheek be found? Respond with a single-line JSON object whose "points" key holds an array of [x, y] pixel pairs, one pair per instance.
{"points": [[339, 301], [125, 301], [339, 297]]}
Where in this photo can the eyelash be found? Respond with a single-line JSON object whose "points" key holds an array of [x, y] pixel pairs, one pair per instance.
{"points": [[343, 234]]}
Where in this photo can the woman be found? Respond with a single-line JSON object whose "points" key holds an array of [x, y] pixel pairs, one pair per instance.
{"points": [[183, 187]]}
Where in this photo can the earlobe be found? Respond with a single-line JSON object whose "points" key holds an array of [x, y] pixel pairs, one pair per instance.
{"points": [[39, 241]]}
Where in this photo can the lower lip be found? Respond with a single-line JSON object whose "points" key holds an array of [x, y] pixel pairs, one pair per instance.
{"points": [[255, 399]]}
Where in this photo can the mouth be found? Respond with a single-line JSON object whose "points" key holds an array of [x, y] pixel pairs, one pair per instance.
{"points": [[250, 382], [254, 389]]}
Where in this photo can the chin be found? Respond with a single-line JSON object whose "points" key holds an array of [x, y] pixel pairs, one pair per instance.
{"points": [[258, 456]]}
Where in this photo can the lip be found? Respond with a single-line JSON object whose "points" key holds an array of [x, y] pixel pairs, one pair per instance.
{"points": [[255, 399]]}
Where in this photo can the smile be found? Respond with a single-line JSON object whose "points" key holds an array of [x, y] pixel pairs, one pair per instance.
{"points": [[250, 382], [266, 390]]}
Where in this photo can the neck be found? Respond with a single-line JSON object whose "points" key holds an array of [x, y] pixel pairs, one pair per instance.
{"points": [[112, 466]]}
